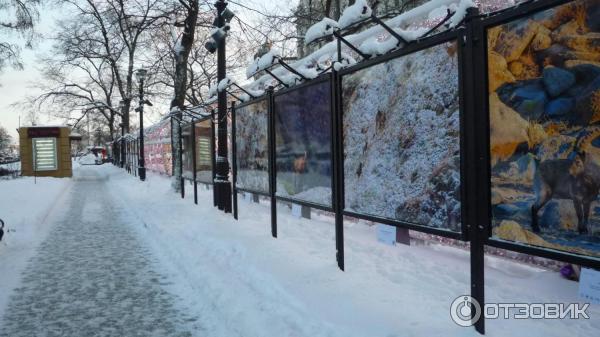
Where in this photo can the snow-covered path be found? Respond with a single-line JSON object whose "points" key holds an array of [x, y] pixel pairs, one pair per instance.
{"points": [[91, 277], [128, 258]]}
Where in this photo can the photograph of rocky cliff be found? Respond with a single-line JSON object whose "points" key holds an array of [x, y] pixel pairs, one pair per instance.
{"points": [[252, 146], [402, 139], [303, 143], [544, 101]]}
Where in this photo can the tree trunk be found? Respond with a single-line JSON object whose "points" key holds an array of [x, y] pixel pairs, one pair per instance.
{"points": [[111, 127], [180, 86]]}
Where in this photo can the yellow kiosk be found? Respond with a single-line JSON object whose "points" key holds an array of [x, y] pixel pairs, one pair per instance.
{"points": [[45, 151]]}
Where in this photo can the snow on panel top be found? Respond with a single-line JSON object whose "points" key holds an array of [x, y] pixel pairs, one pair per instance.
{"points": [[374, 46], [320, 29], [267, 60], [264, 62], [212, 90], [46, 126], [255, 93], [307, 72], [460, 11], [224, 83], [355, 13], [252, 68], [406, 24]]}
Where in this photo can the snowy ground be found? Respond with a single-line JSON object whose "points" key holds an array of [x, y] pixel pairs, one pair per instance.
{"points": [[28, 207], [201, 273]]}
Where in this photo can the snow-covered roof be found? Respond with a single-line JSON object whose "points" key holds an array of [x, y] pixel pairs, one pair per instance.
{"points": [[46, 126]]}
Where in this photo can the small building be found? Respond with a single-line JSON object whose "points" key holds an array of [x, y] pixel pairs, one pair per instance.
{"points": [[45, 151]]}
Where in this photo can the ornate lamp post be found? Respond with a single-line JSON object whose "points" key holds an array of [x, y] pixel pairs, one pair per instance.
{"points": [[122, 145], [141, 76], [217, 44]]}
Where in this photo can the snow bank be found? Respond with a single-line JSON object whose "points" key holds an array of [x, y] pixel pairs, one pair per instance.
{"points": [[88, 159], [28, 207], [238, 281]]}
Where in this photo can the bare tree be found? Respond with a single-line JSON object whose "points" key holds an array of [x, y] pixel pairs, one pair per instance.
{"points": [[16, 17], [5, 139], [181, 51], [92, 63]]}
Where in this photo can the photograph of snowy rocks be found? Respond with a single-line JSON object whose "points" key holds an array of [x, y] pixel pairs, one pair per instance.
{"points": [[303, 143], [401, 123], [544, 106], [252, 146]]}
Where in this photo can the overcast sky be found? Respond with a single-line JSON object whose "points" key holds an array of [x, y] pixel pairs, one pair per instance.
{"points": [[15, 85]]}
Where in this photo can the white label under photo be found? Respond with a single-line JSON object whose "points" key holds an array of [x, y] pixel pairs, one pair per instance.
{"points": [[589, 285], [386, 234], [297, 210]]}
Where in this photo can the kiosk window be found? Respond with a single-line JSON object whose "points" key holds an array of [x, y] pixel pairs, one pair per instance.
{"points": [[44, 154]]}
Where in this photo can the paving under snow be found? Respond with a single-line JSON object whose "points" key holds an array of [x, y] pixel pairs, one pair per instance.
{"points": [[130, 258], [91, 276]]}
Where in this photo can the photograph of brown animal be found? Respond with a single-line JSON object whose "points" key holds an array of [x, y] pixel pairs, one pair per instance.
{"points": [[576, 179]]}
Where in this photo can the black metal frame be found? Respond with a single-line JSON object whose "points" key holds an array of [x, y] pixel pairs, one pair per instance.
{"points": [[192, 125], [213, 152], [212, 145], [272, 163], [436, 40], [484, 179]]}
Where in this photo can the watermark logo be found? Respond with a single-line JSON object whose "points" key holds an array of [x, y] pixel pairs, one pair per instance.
{"points": [[462, 309], [466, 311]]}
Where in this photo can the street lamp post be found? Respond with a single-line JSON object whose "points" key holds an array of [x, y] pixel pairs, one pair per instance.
{"points": [[122, 125], [141, 76], [222, 170]]}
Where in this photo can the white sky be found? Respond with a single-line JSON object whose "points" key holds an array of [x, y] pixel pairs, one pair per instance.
{"points": [[15, 85]]}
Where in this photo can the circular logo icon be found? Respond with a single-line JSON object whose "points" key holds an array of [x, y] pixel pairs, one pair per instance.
{"points": [[462, 309]]}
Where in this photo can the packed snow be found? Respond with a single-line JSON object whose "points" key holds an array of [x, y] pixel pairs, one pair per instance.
{"points": [[28, 207], [213, 276], [88, 159]]}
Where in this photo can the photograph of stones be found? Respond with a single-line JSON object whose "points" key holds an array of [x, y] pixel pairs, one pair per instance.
{"points": [[401, 123], [252, 146], [544, 105], [303, 143]]}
